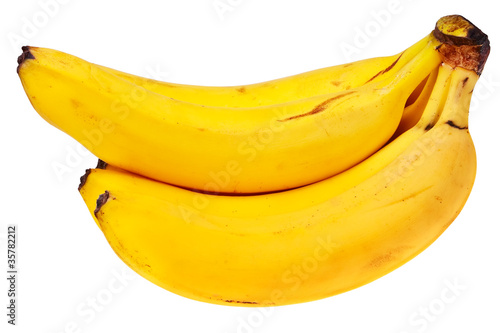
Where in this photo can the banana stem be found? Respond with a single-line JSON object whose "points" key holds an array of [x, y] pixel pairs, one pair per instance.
{"points": [[463, 44]]}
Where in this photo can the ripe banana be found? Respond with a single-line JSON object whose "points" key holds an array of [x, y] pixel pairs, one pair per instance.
{"points": [[303, 244], [318, 82], [296, 87], [415, 107], [219, 149]]}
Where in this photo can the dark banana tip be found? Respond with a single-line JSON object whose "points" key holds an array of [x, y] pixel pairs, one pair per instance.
{"points": [[463, 44], [103, 198], [101, 164], [24, 56], [83, 179]]}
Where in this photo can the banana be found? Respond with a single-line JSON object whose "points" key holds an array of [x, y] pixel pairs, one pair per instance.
{"points": [[317, 82], [303, 244], [219, 149], [414, 109]]}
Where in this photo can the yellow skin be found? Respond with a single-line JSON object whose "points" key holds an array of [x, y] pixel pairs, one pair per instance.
{"points": [[219, 149], [413, 112], [317, 82], [302, 244]]}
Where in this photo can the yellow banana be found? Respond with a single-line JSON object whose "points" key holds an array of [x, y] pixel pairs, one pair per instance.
{"points": [[218, 149], [317, 82], [413, 111], [306, 243]]}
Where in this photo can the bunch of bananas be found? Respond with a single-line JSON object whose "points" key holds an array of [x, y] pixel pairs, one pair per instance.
{"points": [[274, 193]]}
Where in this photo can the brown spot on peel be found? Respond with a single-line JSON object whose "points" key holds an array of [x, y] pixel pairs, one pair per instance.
{"points": [[103, 198], [387, 69], [429, 126], [24, 56], [318, 108], [76, 103], [464, 82], [240, 302], [242, 90], [452, 124], [381, 260], [388, 257]]}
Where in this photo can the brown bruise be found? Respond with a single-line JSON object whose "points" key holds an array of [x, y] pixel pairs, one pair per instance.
{"points": [[452, 124], [388, 257], [318, 108], [470, 57], [103, 198], [387, 69], [239, 302], [464, 82]]}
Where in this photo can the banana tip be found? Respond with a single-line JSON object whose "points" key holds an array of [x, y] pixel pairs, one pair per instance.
{"points": [[462, 43], [83, 179], [103, 198], [101, 164], [24, 56]]}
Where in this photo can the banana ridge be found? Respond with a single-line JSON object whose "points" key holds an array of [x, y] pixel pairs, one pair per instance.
{"points": [[296, 87]]}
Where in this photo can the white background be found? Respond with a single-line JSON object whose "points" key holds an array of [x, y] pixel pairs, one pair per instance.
{"points": [[64, 261]]}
